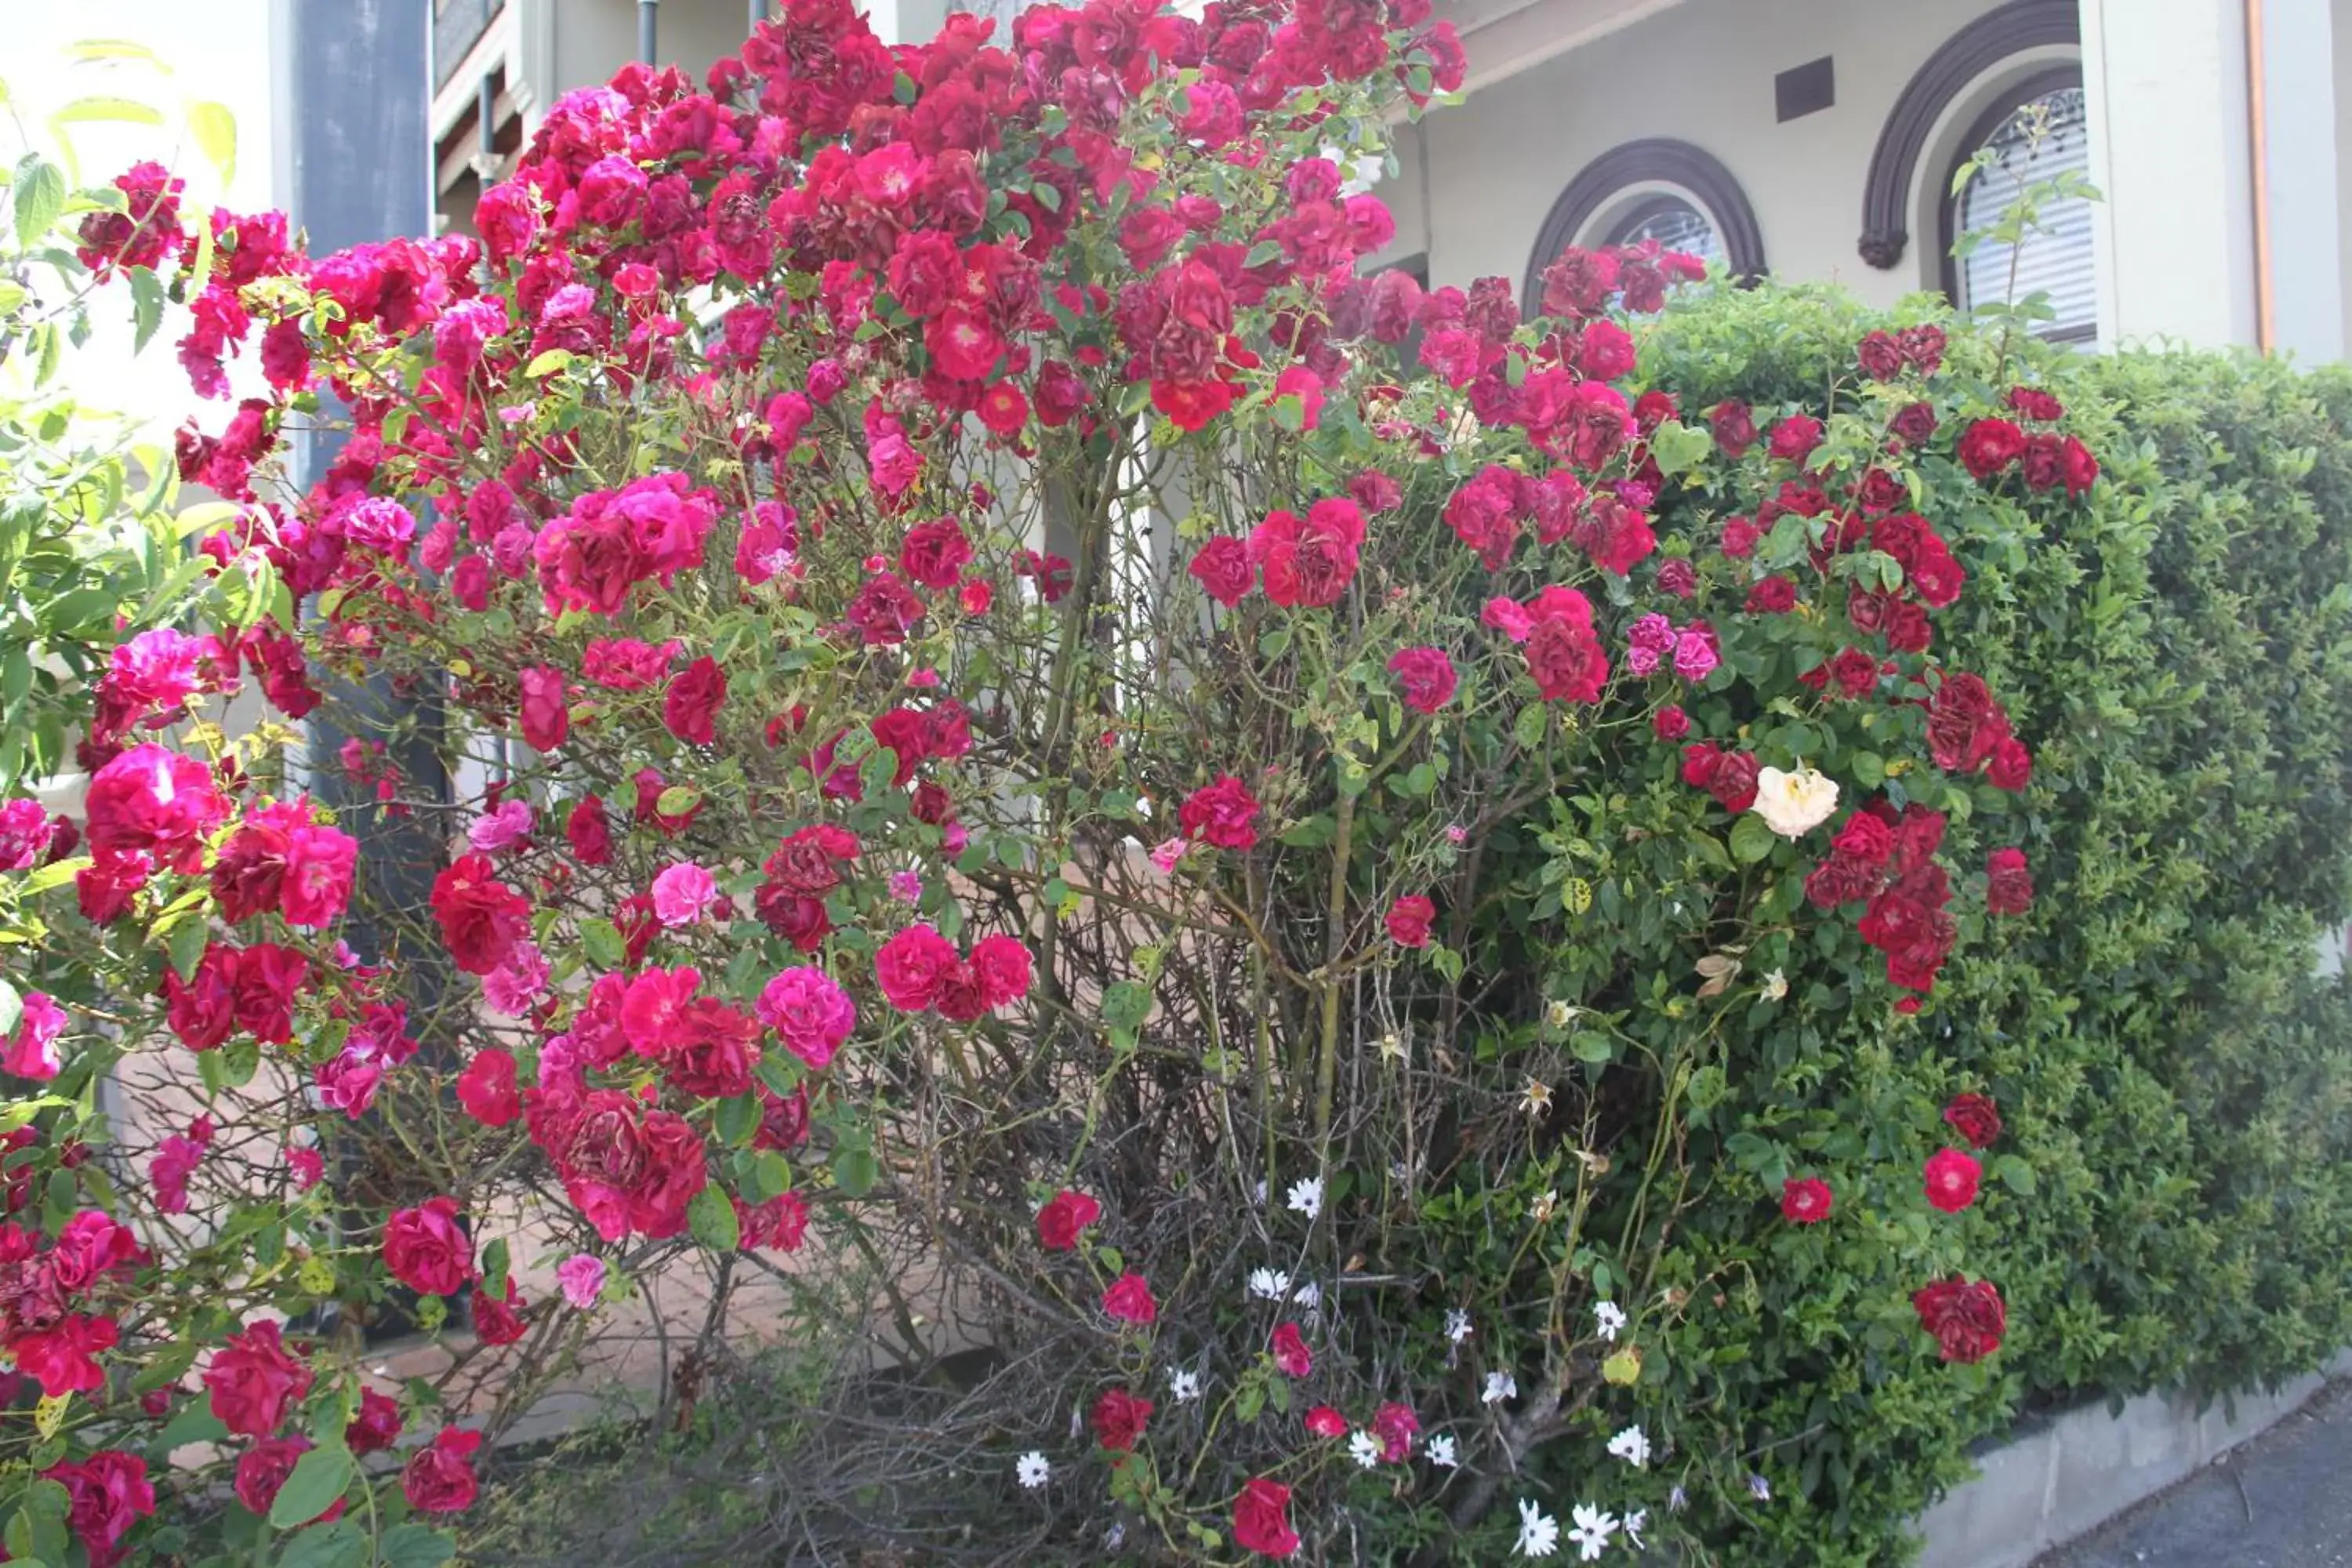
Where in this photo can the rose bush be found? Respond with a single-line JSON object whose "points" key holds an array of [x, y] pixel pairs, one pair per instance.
{"points": [[1309, 950]]}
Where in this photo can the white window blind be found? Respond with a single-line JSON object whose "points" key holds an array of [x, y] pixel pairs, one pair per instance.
{"points": [[2055, 259], [1676, 225]]}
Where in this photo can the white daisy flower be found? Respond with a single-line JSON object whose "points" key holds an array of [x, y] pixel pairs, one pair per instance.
{"points": [[1183, 1386], [1033, 1469], [1457, 1324], [1538, 1531], [1608, 1319], [1500, 1385], [1268, 1284], [1632, 1445], [1363, 1448], [1593, 1529], [1636, 1522], [1308, 1296], [1306, 1197], [1439, 1450]]}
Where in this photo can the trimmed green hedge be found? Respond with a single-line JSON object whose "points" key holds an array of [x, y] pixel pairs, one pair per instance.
{"points": [[2179, 653]]}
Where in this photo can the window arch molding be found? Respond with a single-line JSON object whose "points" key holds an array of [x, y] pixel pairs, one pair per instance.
{"points": [[2042, 83], [1621, 179], [1967, 66]]}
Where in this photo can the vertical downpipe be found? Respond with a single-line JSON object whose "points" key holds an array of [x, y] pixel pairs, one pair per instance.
{"points": [[758, 14], [2258, 141], [648, 13]]}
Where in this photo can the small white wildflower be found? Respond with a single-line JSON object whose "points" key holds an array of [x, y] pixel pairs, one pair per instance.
{"points": [[1759, 1486], [1776, 985], [1268, 1284], [1632, 1445], [1310, 1296], [1363, 1448], [1400, 1173], [1033, 1469], [1306, 1197], [1593, 1529], [1257, 1195], [1536, 1099], [1440, 1452], [1540, 1209], [1636, 1522], [1183, 1386], [1538, 1531], [1608, 1319], [1143, 806], [1115, 1537], [1457, 1324], [1559, 1014], [1677, 1500], [1500, 1385], [1392, 1046]]}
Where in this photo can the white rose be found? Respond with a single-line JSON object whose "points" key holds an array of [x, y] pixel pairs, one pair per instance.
{"points": [[1792, 804]]}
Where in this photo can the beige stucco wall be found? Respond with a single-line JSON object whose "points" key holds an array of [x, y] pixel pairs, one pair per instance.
{"points": [[1702, 72]]}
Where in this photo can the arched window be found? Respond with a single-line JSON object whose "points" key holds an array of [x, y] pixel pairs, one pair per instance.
{"points": [[1674, 223], [2036, 130]]}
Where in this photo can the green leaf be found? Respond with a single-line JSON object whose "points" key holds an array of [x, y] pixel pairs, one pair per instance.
{"points": [[601, 941], [1675, 446], [676, 800], [1750, 840], [2015, 1175], [855, 1172], [546, 363], [1527, 729], [711, 1218], [342, 1545], [216, 130], [317, 1480], [41, 196], [414, 1546], [1126, 1005], [497, 1263], [186, 946], [146, 305], [738, 1119], [1312, 833], [12, 1009]]}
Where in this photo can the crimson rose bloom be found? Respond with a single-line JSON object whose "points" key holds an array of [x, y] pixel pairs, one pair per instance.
{"points": [[1222, 568], [2008, 891], [426, 1250], [1794, 438], [546, 713], [1262, 1519], [1119, 1419], [1806, 1201], [262, 1469], [110, 1493], [1001, 964], [497, 1320], [2013, 765], [252, 1380], [1967, 1316], [1427, 676], [1129, 1300], [1670, 723], [377, 1426], [1223, 813], [439, 1479], [913, 966], [1772, 595], [1309, 563], [1563, 652], [481, 918], [1952, 1178], [487, 1088], [590, 831], [1408, 921], [1733, 426], [1060, 1221], [1975, 1118], [1989, 445], [934, 553], [691, 706], [1325, 1421], [1290, 1352]]}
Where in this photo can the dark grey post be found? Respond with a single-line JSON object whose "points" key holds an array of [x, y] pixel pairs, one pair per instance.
{"points": [[649, 20]]}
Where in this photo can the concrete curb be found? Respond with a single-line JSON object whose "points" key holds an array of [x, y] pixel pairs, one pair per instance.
{"points": [[2080, 1469]]}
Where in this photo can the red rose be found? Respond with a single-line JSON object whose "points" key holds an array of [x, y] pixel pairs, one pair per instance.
{"points": [[1772, 595], [1262, 1519], [1563, 652], [1396, 1426], [1309, 562], [1989, 445], [481, 918], [1913, 424], [109, 1493], [546, 713], [262, 1469], [487, 1088], [1975, 1118], [1001, 964], [1670, 723], [1223, 813], [1325, 1421], [1129, 1300], [1880, 356], [1967, 1316], [1805, 1202], [497, 1320], [63, 1357], [2080, 469], [1060, 1221], [440, 1478], [2009, 890], [2035, 403], [2044, 463], [426, 1250], [1952, 1178], [1729, 776], [1855, 672], [1409, 918], [1733, 426], [1427, 676], [1119, 1419], [691, 706], [1794, 438], [253, 1378], [2013, 765], [1290, 1352], [1965, 725], [913, 966], [377, 1426], [934, 553], [590, 831], [1222, 568]]}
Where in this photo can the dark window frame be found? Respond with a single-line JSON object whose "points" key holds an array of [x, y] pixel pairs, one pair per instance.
{"points": [[1691, 169], [2058, 77]]}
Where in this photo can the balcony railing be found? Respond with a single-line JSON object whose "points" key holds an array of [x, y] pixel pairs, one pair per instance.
{"points": [[457, 26]]}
